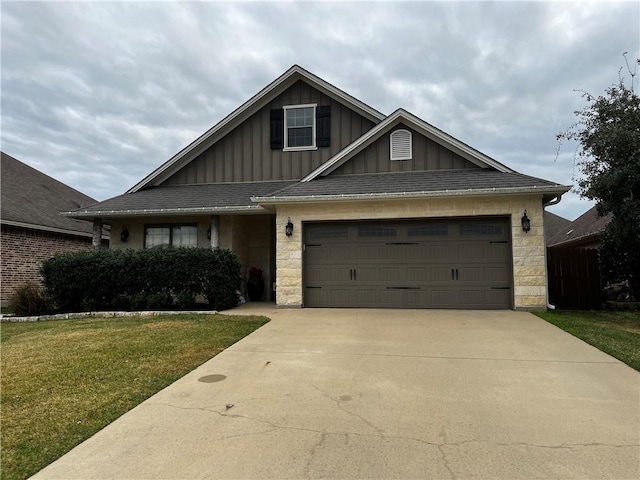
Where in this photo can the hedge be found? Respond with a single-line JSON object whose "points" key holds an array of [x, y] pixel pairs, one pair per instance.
{"points": [[152, 279]]}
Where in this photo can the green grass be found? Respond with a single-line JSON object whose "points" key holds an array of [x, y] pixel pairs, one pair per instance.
{"points": [[615, 333], [62, 381]]}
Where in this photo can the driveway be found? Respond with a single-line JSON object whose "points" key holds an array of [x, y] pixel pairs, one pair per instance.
{"points": [[382, 394]]}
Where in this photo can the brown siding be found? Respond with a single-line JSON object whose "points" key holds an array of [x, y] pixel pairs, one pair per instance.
{"points": [[427, 155], [22, 253], [245, 154]]}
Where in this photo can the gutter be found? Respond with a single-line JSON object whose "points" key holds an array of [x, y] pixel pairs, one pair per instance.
{"points": [[402, 195], [162, 211], [44, 228]]}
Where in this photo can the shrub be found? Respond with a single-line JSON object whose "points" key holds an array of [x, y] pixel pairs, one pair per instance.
{"points": [[29, 299], [142, 279]]}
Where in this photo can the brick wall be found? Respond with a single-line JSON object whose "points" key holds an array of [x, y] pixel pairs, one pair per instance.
{"points": [[23, 250]]}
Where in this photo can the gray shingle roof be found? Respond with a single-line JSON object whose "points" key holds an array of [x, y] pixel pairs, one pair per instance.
{"points": [[553, 224], [31, 198], [467, 181], [589, 224], [213, 197]]}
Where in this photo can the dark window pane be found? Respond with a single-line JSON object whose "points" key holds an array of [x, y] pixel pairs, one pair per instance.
{"points": [[300, 137]]}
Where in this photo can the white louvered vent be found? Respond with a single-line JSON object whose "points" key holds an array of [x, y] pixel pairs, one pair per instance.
{"points": [[401, 145]]}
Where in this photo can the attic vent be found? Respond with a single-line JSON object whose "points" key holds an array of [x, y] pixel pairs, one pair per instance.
{"points": [[401, 145]]}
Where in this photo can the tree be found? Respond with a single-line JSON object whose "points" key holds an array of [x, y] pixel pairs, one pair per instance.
{"points": [[608, 156]]}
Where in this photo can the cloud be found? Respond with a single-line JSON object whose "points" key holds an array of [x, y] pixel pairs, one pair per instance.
{"points": [[99, 94]]}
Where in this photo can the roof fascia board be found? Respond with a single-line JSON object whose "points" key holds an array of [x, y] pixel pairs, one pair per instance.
{"points": [[46, 229], [163, 211], [245, 110], [559, 190], [418, 124]]}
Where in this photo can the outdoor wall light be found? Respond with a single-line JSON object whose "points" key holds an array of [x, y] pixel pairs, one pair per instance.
{"points": [[526, 223], [124, 235], [288, 229], [209, 233]]}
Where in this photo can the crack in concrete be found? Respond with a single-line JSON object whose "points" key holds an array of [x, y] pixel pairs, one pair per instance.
{"points": [[445, 461], [381, 434], [435, 357], [312, 453]]}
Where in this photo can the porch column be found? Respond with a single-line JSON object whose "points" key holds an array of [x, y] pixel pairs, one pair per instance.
{"points": [[97, 234], [215, 231]]}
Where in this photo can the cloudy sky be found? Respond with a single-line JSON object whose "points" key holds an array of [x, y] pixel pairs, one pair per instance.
{"points": [[99, 94]]}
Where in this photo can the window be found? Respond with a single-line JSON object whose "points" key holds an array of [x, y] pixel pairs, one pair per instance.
{"points": [[329, 232], [429, 230], [300, 127], [165, 236], [376, 232], [401, 145], [480, 229]]}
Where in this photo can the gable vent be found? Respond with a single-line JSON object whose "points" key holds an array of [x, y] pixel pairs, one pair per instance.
{"points": [[401, 145]]}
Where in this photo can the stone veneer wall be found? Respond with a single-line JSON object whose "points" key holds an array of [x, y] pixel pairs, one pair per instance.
{"points": [[528, 249], [22, 251]]}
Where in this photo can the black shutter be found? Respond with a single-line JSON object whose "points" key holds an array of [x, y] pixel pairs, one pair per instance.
{"points": [[277, 129], [323, 126]]}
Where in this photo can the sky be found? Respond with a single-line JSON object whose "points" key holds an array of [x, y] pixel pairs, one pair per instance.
{"points": [[99, 94]]}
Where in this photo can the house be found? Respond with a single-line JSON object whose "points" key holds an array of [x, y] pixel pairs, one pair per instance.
{"points": [[31, 227], [553, 224], [583, 232], [343, 206], [573, 263]]}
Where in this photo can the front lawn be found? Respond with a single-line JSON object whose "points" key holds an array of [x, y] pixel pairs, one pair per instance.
{"points": [[62, 381], [615, 333]]}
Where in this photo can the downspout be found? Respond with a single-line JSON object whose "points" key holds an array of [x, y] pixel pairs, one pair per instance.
{"points": [[555, 201]]}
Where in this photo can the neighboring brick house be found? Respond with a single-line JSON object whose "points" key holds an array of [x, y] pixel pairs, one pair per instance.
{"points": [[583, 232], [553, 224], [343, 206], [31, 227]]}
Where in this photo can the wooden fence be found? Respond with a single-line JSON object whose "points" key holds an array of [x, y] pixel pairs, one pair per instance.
{"points": [[574, 279]]}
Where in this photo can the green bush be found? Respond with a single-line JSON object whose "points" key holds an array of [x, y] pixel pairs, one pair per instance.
{"points": [[151, 279], [29, 299]]}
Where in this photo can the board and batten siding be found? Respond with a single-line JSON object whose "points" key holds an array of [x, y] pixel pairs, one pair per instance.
{"points": [[427, 155], [245, 155]]}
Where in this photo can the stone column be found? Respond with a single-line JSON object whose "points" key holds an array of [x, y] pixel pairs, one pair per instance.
{"points": [[97, 234], [215, 231]]}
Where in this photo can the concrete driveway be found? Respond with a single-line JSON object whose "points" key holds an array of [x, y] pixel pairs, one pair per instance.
{"points": [[382, 394]]}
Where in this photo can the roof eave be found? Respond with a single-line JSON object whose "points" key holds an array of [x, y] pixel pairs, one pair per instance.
{"points": [[556, 190], [79, 214], [44, 228]]}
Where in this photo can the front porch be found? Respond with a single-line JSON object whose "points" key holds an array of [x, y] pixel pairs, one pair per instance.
{"points": [[250, 236]]}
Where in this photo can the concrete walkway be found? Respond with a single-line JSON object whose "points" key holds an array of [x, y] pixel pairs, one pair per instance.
{"points": [[382, 394]]}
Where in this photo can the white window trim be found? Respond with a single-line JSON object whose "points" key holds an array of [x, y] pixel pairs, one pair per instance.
{"points": [[286, 129], [391, 156]]}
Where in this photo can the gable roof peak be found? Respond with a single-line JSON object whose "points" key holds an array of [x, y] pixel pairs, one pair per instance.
{"points": [[243, 112], [412, 121]]}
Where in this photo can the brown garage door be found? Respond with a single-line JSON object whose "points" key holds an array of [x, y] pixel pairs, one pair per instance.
{"points": [[453, 263]]}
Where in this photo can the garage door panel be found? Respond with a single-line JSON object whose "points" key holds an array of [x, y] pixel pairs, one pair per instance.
{"points": [[442, 253], [471, 274], [440, 274], [495, 251], [497, 275], [420, 273], [418, 298], [444, 298], [454, 263], [327, 275], [497, 298], [472, 298], [323, 255]]}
